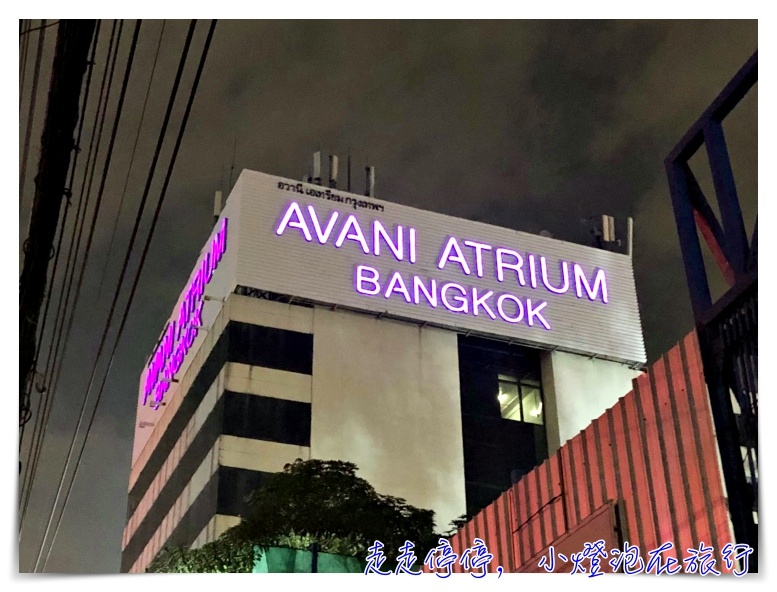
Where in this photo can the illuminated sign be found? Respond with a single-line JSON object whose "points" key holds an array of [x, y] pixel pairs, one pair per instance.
{"points": [[468, 258], [356, 252], [352, 252], [181, 331]]}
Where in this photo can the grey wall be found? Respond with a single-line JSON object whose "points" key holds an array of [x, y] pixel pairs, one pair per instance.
{"points": [[290, 264], [577, 390], [386, 397]]}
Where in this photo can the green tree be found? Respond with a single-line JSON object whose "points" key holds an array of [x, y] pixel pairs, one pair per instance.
{"points": [[312, 501]]}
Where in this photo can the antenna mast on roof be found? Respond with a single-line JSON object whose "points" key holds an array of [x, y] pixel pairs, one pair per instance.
{"points": [[217, 206], [317, 167], [232, 168], [370, 181], [333, 171]]}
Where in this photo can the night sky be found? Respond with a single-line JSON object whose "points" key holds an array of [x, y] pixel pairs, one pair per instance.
{"points": [[532, 125]]}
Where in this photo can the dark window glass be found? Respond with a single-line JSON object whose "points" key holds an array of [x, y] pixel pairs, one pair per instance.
{"points": [[235, 485], [271, 348], [266, 418], [502, 416]]}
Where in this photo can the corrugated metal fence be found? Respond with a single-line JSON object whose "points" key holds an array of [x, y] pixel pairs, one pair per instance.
{"points": [[652, 457]]}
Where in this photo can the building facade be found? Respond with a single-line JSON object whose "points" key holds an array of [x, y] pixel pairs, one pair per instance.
{"points": [[445, 358]]}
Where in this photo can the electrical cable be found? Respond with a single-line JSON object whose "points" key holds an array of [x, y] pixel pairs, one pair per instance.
{"points": [[102, 106], [117, 119], [39, 28], [68, 194], [139, 271], [25, 41], [31, 114], [53, 362], [36, 444], [129, 166]]}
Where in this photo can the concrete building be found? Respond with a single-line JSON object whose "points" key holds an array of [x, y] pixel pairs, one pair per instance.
{"points": [[446, 358]]}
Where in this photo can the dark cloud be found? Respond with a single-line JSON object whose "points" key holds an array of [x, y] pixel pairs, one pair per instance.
{"points": [[533, 125]]}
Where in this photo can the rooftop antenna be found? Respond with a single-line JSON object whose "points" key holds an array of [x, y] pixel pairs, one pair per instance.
{"points": [[630, 237], [217, 206], [317, 167], [370, 172], [333, 171], [603, 233], [232, 168]]}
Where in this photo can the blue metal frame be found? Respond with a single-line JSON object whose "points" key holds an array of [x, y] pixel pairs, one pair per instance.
{"points": [[727, 328]]}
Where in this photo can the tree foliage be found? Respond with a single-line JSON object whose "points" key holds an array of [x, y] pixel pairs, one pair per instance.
{"points": [[312, 501], [224, 555]]}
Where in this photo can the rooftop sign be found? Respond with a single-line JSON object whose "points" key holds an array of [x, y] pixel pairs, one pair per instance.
{"points": [[341, 249], [181, 330]]}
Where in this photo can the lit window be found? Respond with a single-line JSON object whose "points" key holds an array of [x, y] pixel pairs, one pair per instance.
{"points": [[520, 400], [531, 401], [509, 398]]}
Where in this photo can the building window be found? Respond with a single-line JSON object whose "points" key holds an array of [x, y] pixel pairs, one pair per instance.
{"points": [[520, 399]]}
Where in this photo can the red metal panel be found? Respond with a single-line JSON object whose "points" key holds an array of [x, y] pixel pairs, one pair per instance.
{"points": [[654, 453], [502, 523], [633, 476], [459, 546], [521, 498], [676, 508], [546, 515], [688, 426], [484, 533], [507, 536], [709, 459], [580, 483], [608, 462], [533, 523], [650, 484], [557, 493], [694, 526], [514, 542], [591, 446], [567, 486], [598, 526]]}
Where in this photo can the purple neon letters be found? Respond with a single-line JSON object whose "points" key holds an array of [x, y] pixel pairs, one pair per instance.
{"points": [[179, 335], [469, 257]]}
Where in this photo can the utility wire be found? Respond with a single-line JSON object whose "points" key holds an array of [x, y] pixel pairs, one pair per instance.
{"points": [[129, 167], [56, 362], [139, 271], [39, 28], [68, 194], [126, 260], [106, 168], [65, 292], [23, 59], [31, 114]]}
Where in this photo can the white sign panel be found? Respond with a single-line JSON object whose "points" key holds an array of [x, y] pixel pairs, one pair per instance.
{"points": [[338, 248]]}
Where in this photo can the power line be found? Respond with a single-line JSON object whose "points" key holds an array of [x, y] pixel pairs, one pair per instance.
{"points": [[149, 238], [129, 167], [31, 113], [62, 112], [64, 220], [56, 338], [42, 403], [38, 28], [123, 271], [25, 25], [57, 369], [106, 167]]}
